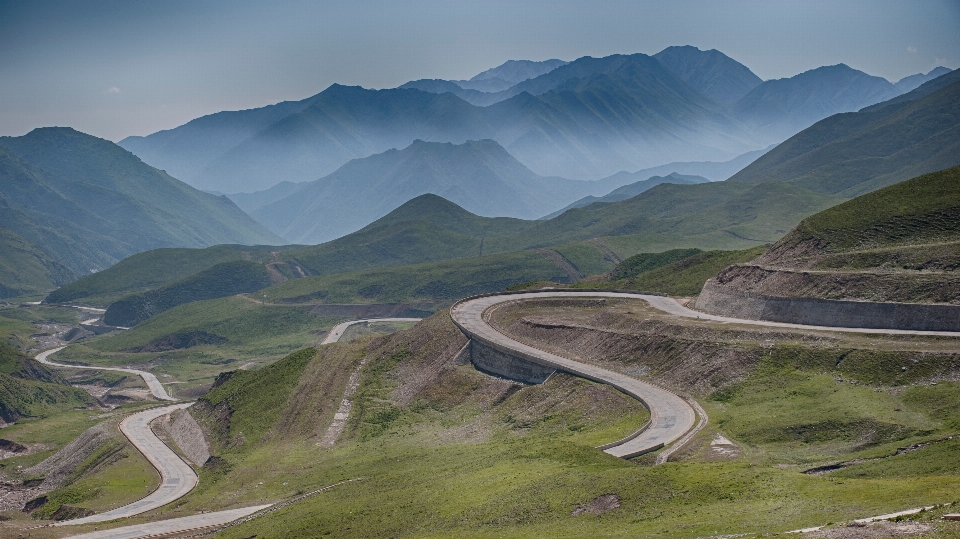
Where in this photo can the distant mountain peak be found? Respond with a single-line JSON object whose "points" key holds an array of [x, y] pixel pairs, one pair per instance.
{"points": [[516, 71], [710, 72]]}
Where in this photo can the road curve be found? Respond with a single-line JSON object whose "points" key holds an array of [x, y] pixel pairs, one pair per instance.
{"points": [[152, 382], [670, 416], [177, 478], [173, 525], [338, 329]]}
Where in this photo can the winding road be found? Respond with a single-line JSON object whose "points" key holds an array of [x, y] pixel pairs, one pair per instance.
{"points": [[338, 329], [177, 478], [152, 382]]}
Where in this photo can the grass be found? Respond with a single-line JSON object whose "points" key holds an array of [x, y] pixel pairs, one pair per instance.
{"points": [[150, 270], [221, 280], [447, 280], [922, 210]]}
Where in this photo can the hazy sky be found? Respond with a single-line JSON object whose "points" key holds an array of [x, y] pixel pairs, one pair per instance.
{"points": [[118, 68]]}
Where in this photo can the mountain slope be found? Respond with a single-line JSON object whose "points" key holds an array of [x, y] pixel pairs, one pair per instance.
{"points": [[711, 72], [28, 389], [88, 203], [907, 84], [631, 190], [25, 268], [854, 153], [515, 71], [478, 175], [780, 108]]}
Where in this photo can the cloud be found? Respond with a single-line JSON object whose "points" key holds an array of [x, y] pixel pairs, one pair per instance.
{"points": [[912, 49], [113, 90]]}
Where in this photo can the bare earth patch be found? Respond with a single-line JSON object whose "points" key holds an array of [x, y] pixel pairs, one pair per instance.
{"points": [[600, 504]]}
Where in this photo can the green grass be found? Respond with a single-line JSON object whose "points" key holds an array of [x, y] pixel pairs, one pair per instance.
{"points": [[221, 280], [672, 273], [150, 270], [925, 209], [644, 262], [447, 280]]}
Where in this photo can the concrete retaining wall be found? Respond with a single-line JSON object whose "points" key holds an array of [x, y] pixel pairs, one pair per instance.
{"points": [[492, 359], [821, 312]]}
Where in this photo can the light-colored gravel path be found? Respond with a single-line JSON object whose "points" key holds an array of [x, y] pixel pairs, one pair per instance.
{"points": [[152, 382]]}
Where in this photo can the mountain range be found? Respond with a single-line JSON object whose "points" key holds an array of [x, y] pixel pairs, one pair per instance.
{"points": [[74, 204], [585, 119], [477, 175]]}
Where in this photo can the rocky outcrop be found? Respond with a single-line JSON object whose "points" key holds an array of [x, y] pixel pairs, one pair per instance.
{"points": [[57, 469]]}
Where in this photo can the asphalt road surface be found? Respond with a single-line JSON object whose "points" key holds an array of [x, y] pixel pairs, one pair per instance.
{"points": [[670, 416], [177, 478], [152, 382]]}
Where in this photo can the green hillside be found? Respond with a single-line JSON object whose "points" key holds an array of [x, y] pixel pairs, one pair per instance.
{"points": [[25, 268], [87, 203], [28, 389], [223, 279], [152, 269], [921, 211], [851, 154]]}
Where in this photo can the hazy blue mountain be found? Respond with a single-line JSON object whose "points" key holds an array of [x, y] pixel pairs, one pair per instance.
{"points": [[631, 190], [711, 72], [485, 85], [714, 171], [589, 119], [778, 109], [184, 151], [479, 176], [923, 90], [250, 202], [907, 84], [439, 86], [88, 203], [854, 153], [515, 71]]}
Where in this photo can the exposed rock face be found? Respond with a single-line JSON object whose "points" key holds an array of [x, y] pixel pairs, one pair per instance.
{"points": [[187, 434]]}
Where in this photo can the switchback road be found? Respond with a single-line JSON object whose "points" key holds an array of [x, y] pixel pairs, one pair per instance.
{"points": [[152, 382]]}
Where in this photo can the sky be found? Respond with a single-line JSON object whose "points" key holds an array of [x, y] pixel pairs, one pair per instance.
{"points": [[120, 68]]}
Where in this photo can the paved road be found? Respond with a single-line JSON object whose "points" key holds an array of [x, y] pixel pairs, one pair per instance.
{"points": [[177, 478], [670, 416], [173, 525], [338, 329], [155, 386]]}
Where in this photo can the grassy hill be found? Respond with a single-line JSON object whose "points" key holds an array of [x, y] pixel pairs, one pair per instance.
{"points": [[854, 153], [28, 389], [897, 244], [26, 268], [223, 279], [87, 203]]}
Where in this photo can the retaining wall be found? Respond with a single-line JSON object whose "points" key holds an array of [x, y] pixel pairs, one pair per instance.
{"points": [[714, 299], [492, 359]]}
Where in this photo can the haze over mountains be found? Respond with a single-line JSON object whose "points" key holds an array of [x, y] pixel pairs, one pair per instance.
{"points": [[586, 119]]}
